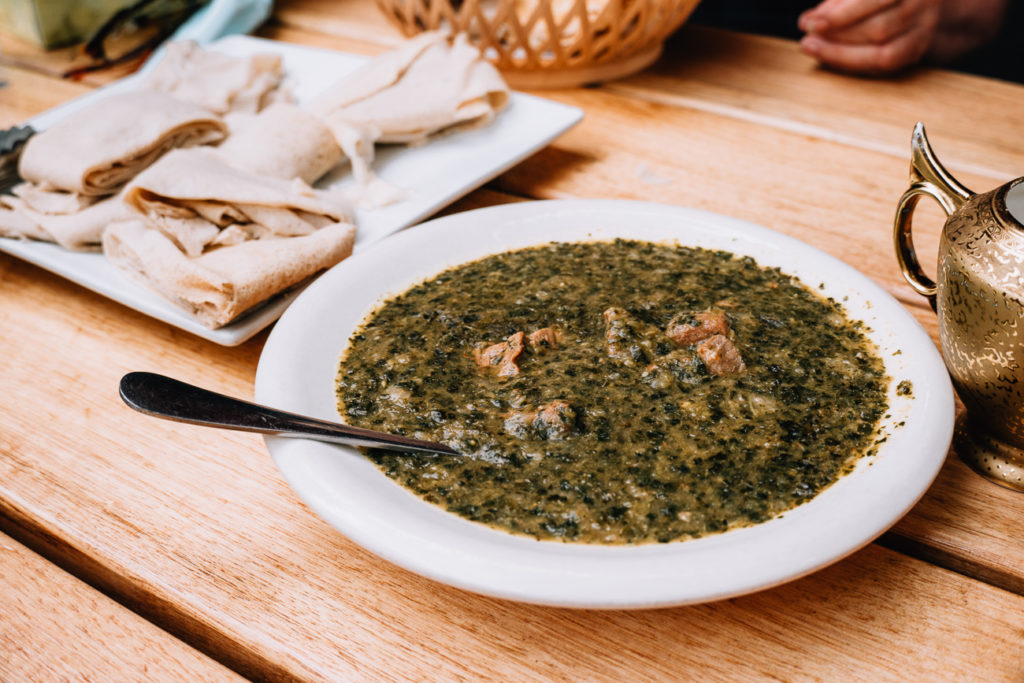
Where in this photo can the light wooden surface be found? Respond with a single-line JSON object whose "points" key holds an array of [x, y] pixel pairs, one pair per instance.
{"points": [[48, 615], [195, 530]]}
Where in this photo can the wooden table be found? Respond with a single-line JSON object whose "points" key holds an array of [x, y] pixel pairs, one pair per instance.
{"points": [[136, 548]]}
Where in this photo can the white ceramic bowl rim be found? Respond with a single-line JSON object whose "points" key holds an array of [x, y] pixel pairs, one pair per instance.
{"points": [[299, 363]]}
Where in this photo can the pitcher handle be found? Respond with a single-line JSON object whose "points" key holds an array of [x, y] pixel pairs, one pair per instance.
{"points": [[910, 266], [928, 177]]}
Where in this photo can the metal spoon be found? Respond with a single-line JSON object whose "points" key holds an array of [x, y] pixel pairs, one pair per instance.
{"points": [[170, 399]]}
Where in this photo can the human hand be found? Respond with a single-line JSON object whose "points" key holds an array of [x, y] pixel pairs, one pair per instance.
{"points": [[870, 36], [879, 36]]}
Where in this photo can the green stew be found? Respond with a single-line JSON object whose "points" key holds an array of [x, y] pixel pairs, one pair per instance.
{"points": [[616, 392]]}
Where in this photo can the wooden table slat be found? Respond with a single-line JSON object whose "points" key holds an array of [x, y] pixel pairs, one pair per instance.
{"points": [[770, 82], [683, 155], [204, 531], [54, 627], [196, 530], [974, 118]]}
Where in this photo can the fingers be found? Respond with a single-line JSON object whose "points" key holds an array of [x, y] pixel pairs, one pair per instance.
{"points": [[879, 28], [870, 36], [900, 52], [838, 14]]}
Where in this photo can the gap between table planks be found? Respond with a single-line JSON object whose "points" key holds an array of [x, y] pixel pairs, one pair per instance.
{"points": [[768, 81], [54, 627], [663, 163], [964, 488], [194, 529], [783, 92], [808, 225]]}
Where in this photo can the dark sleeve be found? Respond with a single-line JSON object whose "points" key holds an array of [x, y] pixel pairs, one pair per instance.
{"points": [[771, 17]]}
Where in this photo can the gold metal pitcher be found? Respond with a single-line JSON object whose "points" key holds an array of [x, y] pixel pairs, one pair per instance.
{"points": [[979, 298]]}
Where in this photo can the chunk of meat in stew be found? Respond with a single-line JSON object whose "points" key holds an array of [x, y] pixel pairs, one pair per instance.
{"points": [[502, 355], [627, 339], [552, 420], [720, 356], [544, 339], [690, 328]]}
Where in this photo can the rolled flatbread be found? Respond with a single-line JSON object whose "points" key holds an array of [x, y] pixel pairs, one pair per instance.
{"points": [[98, 149], [193, 197], [282, 141], [224, 282], [427, 85], [218, 82]]}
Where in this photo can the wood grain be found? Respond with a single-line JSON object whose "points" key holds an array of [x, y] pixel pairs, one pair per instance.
{"points": [[833, 187], [54, 627], [23, 54], [196, 530], [832, 196], [968, 525], [768, 81], [26, 93]]}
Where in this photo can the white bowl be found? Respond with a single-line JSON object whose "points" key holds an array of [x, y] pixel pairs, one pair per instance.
{"points": [[299, 363]]}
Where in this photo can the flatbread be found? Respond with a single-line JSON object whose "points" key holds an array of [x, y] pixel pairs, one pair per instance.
{"points": [[218, 82], [50, 201], [427, 85], [78, 230], [191, 195], [217, 240], [198, 174], [99, 148], [283, 141], [224, 282]]}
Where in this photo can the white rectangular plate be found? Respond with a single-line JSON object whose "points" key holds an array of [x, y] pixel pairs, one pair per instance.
{"points": [[432, 176]]}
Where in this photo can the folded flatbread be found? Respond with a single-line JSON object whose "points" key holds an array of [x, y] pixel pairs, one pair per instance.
{"points": [[50, 201], [224, 282], [370, 190], [282, 141], [198, 201], [218, 82], [218, 240], [99, 148], [14, 223], [80, 229], [427, 85]]}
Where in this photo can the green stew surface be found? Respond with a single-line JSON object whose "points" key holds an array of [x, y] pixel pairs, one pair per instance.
{"points": [[616, 392]]}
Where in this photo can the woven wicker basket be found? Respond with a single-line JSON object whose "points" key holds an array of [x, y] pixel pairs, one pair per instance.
{"points": [[552, 43]]}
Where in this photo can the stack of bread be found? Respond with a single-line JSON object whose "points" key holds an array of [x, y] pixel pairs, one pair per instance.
{"points": [[200, 182]]}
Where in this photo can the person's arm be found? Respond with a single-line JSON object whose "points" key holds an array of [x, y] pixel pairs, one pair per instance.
{"points": [[880, 36]]}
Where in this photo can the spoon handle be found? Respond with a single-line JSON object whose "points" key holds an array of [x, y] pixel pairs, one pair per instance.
{"points": [[171, 399]]}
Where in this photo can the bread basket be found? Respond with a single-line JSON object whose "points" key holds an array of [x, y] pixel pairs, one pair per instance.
{"points": [[551, 43]]}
